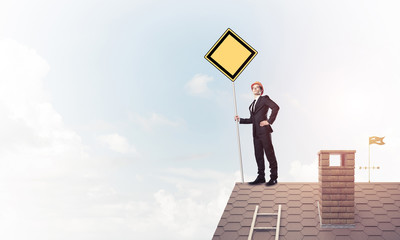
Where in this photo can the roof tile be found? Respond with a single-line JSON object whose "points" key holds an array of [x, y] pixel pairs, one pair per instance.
{"points": [[268, 197], [294, 204], [370, 222], [309, 231], [247, 222], [306, 188], [309, 207], [282, 189], [387, 226], [369, 191], [396, 221], [229, 235], [255, 201], [341, 231], [222, 222], [242, 238], [374, 197], [267, 204], [390, 235], [232, 226], [356, 235], [342, 238], [257, 188], [376, 204], [359, 226], [377, 216], [293, 211], [294, 218], [242, 197], [378, 211], [293, 235], [390, 207], [393, 215], [382, 218], [249, 214], [307, 200], [296, 192], [245, 191], [251, 206], [244, 231], [365, 214], [310, 238], [236, 218], [308, 222], [262, 235], [309, 214], [326, 235], [380, 189], [386, 200], [257, 194], [239, 204], [375, 238], [238, 210], [295, 185], [394, 193], [359, 199], [363, 207], [294, 226], [372, 231], [218, 232], [228, 207]]}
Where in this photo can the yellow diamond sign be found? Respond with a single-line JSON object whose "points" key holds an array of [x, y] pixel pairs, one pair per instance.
{"points": [[231, 54]]}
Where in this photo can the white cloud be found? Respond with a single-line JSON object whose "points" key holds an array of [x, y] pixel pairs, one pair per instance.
{"points": [[117, 143], [195, 156], [192, 212], [292, 100], [34, 140], [43, 164], [194, 174], [155, 120], [304, 172], [48, 181], [197, 86]]}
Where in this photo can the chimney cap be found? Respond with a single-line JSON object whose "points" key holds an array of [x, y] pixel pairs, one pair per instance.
{"points": [[337, 151]]}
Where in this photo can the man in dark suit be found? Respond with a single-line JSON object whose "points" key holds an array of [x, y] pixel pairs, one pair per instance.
{"points": [[262, 133]]}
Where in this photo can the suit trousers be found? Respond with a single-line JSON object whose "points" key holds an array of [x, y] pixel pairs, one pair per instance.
{"points": [[263, 144]]}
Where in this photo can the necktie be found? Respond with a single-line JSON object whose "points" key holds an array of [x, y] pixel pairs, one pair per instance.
{"points": [[253, 105]]}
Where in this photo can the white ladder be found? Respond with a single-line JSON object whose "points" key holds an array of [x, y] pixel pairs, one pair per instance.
{"points": [[278, 222]]}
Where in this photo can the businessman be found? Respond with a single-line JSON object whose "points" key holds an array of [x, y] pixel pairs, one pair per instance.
{"points": [[262, 133]]}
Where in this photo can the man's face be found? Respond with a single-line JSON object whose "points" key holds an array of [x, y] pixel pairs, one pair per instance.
{"points": [[256, 90]]}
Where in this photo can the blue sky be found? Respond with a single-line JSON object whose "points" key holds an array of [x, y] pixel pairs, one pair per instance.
{"points": [[113, 122]]}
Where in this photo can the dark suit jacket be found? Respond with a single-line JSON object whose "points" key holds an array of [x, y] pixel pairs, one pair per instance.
{"points": [[260, 113]]}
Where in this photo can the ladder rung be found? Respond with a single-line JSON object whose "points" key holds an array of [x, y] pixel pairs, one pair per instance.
{"points": [[264, 228], [253, 223], [267, 214]]}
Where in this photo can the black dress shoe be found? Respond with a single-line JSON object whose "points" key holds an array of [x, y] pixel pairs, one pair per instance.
{"points": [[259, 180], [271, 182]]}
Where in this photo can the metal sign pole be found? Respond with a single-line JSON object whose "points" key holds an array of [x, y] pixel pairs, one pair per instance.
{"points": [[238, 135], [227, 56], [369, 162]]}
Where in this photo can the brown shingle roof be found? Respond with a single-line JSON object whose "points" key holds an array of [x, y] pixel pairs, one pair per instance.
{"points": [[377, 212]]}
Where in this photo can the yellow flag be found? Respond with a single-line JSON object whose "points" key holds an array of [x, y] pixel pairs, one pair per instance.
{"points": [[376, 140]]}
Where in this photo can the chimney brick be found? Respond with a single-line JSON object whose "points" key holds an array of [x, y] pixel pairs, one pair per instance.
{"points": [[337, 187]]}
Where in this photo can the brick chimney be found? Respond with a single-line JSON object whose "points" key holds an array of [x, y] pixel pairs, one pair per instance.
{"points": [[336, 183]]}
